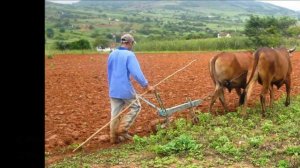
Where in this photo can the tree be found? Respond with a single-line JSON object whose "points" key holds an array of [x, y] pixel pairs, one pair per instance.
{"points": [[127, 28], [284, 24], [62, 30], [50, 33], [101, 41], [66, 23], [95, 34], [80, 45], [91, 27], [61, 45], [267, 31], [109, 36], [118, 38], [294, 31], [125, 19], [76, 45]]}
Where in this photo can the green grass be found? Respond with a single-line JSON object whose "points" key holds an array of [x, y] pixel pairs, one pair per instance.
{"points": [[217, 141], [196, 45], [59, 52], [210, 44]]}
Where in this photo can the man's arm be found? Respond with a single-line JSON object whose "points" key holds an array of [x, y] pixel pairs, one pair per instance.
{"points": [[135, 70]]}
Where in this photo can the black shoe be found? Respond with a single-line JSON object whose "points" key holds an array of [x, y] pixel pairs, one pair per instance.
{"points": [[120, 138], [126, 136]]}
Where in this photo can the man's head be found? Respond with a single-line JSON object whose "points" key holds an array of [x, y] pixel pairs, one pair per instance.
{"points": [[127, 41]]}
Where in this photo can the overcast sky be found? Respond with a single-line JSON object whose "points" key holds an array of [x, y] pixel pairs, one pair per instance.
{"points": [[64, 1], [294, 5]]}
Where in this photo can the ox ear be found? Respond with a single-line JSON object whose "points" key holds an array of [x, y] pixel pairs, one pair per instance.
{"points": [[292, 49]]}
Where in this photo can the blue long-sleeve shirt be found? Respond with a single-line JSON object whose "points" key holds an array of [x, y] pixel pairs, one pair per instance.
{"points": [[122, 64]]}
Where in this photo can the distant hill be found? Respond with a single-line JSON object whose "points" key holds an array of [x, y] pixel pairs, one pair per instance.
{"points": [[250, 7], [151, 19]]}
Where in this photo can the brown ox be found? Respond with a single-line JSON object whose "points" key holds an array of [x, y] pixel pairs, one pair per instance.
{"points": [[271, 67], [229, 70]]}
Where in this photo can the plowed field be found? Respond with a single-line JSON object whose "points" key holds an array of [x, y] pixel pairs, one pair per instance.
{"points": [[77, 102]]}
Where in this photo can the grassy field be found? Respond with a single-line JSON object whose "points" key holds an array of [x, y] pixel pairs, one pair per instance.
{"points": [[217, 141], [211, 44]]}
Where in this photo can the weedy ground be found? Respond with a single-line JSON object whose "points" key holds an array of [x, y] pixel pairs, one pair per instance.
{"points": [[217, 141]]}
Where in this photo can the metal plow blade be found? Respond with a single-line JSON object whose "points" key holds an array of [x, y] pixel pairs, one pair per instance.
{"points": [[171, 110], [164, 112]]}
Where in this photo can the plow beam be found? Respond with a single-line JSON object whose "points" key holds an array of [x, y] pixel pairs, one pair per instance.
{"points": [[167, 112], [171, 110]]}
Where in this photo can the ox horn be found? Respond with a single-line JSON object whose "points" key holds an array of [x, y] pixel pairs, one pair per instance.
{"points": [[292, 50]]}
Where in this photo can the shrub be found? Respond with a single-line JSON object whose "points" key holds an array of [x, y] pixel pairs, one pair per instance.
{"points": [[256, 141], [293, 150], [204, 118], [183, 143], [80, 44], [101, 41], [224, 146], [267, 126], [61, 45], [50, 56], [50, 33], [283, 164], [139, 142]]}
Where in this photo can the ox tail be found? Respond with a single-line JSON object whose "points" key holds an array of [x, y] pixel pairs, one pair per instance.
{"points": [[212, 69], [254, 68]]}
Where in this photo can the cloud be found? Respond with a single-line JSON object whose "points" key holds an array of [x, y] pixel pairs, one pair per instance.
{"points": [[293, 5], [64, 1]]}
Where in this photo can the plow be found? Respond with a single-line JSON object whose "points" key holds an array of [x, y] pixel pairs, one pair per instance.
{"points": [[164, 112]]}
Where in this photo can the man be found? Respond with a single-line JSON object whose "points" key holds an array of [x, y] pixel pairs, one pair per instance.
{"points": [[122, 63]]}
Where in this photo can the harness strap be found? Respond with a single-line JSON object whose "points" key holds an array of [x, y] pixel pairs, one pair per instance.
{"points": [[238, 76]]}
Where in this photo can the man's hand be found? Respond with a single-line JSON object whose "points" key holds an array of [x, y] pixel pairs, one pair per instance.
{"points": [[150, 89]]}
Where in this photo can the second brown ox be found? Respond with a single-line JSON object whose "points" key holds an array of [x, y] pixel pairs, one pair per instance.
{"points": [[229, 70], [271, 67]]}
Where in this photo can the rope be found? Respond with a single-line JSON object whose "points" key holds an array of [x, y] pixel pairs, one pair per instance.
{"points": [[208, 96], [238, 76]]}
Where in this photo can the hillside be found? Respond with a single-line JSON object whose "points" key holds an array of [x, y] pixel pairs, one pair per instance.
{"points": [[153, 19]]}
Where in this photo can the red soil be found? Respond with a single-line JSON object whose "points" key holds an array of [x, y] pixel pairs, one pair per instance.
{"points": [[77, 102]]}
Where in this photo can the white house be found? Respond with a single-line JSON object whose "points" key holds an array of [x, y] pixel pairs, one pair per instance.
{"points": [[223, 34], [108, 49]]}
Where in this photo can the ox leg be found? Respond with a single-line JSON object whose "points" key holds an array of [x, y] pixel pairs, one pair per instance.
{"points": [[215, 96], [288, 90], [222, 100], [239, 93], [271, 96], [247, 93], [263, 97], [241, 96], [262, 102]]}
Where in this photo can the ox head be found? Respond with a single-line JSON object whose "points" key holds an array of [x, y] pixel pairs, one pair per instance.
{"points": [[292, 49]]}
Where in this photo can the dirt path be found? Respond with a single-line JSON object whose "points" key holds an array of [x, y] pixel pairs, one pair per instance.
{"points": [[77, 102]]}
